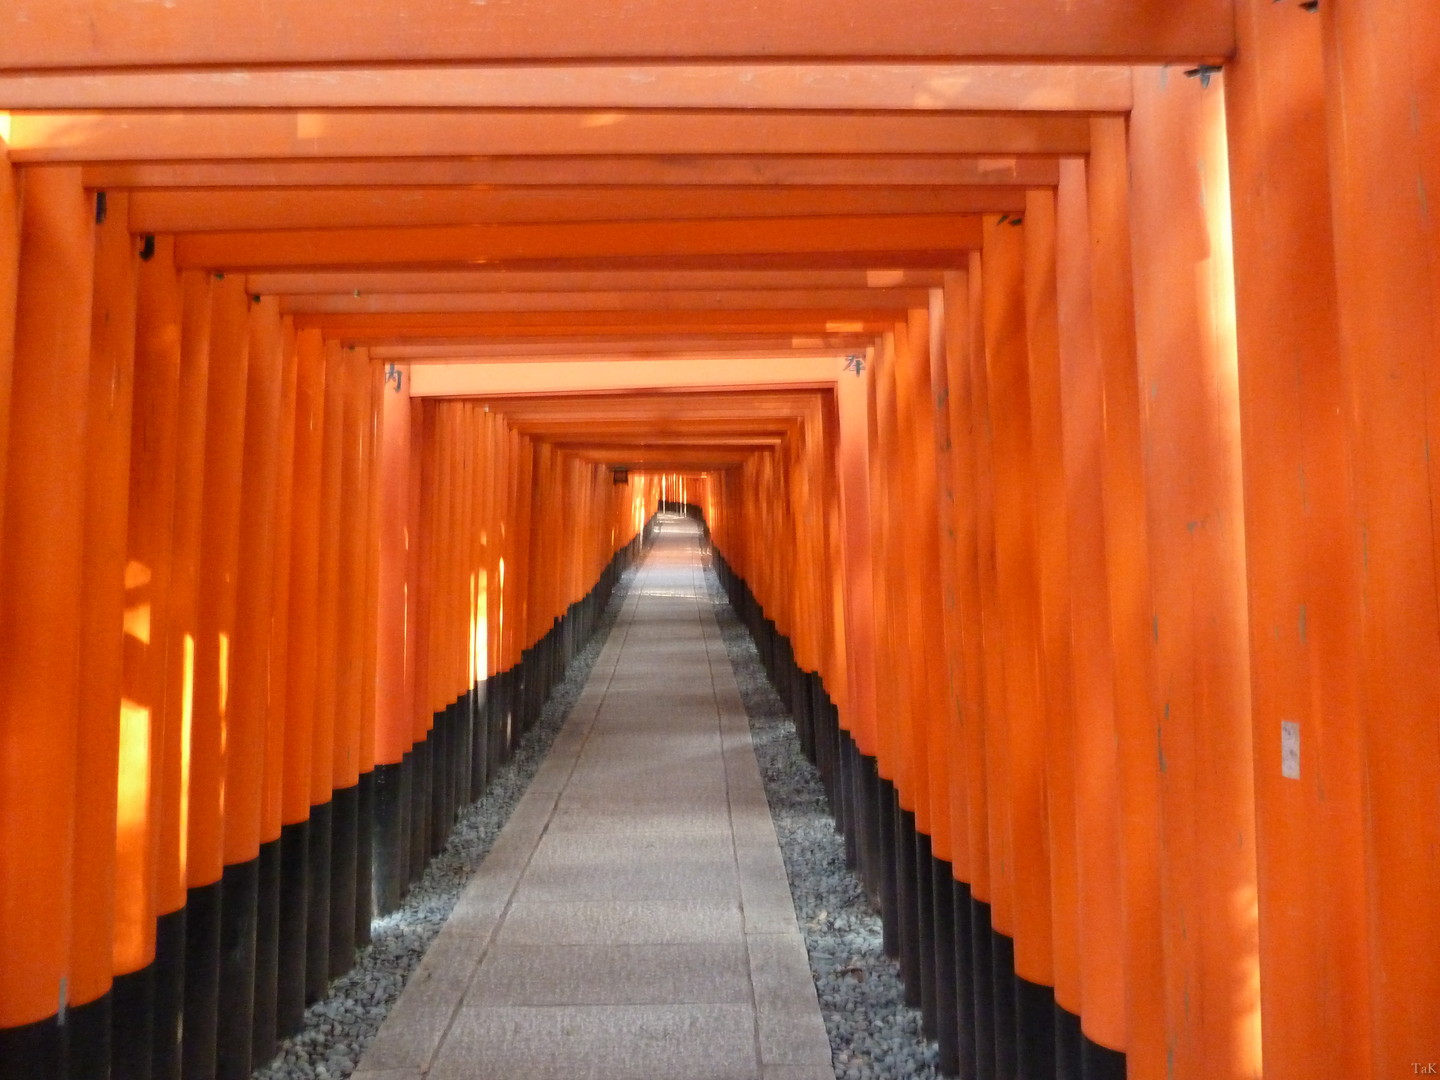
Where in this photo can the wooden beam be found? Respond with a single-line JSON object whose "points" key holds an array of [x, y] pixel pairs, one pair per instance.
{"points": [[218, 209], [714, 356], [100, 34], [672, 300], [777, 238], [519, 324], [612, 347], [709, 407], [79, 137], [672, 170], [489, 380], [966, 87], [369, 282]]}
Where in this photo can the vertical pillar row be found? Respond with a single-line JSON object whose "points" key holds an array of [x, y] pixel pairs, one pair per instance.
{"points": [[41, 573]]}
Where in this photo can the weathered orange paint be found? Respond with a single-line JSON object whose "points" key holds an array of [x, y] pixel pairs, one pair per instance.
{"points": [[196, 294], [1184, 303], [683, 170], [1131, 613], [1053, 587], [102, 618], [871, 237], [9, 282], [149, 714], [328, 32], [891, 751], [257, 134], [351, 628], [987, 823], [835, 302], [422, 426], [479, 281], [963, 610], [916, 433], [369, 639], [394, 646], [253, 209], [247, 715], [215, 642], [280, 715], [1099, 886], [1303, 553], [327, 741], [949, 316], [302, 645], [681, 85], [40, 594], [1381, 103], [1015, 737]]}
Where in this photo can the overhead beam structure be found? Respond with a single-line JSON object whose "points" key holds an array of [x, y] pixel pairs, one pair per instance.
{"points": [[107, 34]]}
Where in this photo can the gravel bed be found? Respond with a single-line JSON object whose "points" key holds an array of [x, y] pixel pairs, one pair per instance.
{"points": [[339, 1027], [874, 1035]]}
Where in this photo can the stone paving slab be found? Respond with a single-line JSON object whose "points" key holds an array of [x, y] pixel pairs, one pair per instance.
{"points": [[601, 1042], [633, 920], [692, 974]]}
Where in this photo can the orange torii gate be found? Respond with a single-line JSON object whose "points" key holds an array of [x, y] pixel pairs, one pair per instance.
{"points": [[1055, 382]]}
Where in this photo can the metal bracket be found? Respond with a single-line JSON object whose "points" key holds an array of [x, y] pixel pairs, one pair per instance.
{"points": [[1203, 73]]}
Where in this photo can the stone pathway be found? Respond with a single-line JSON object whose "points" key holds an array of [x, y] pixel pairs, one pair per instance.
{"points": [[633, 920]]}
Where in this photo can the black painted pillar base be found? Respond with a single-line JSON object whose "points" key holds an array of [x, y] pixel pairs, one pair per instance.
{"points": [[420, 779], [464, 757], [851, 797], [946, 992], [870, 831], [344, 852], [907, 878], [317, 906], [967, 1043], [480, 743], [390, 852], [365, 859], [982, 952], [293, 931], [886, 806], [166, 1057], [202, 981], [87, 1040], [1034, 1028], [132, 1024], [33, 1051], [265, 1032], [925, 927], [1100, 1062], [1067, 1044], [439, 745], [1002, 970], [235, 1030]]}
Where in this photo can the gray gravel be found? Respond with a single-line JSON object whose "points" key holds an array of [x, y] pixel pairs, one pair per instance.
{"points": [[339, 1027], [874, 1035]]}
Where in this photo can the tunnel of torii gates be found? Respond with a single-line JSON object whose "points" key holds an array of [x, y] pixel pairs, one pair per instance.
{"points": [[1054, 377]]}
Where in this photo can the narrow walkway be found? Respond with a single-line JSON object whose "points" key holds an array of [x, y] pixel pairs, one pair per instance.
{"points": [[633, 920]]}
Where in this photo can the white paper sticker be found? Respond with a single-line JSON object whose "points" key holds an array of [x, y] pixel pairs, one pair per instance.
{"points": [[1290, 749]]}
